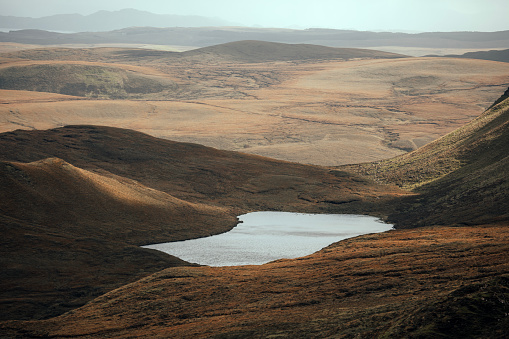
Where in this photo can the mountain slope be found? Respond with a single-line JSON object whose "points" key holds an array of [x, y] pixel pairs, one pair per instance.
{"points": [[461, 178], [55, 193], [422, 283]]}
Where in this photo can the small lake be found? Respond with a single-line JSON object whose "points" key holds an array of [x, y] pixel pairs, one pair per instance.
{"points": [[266, 236]]}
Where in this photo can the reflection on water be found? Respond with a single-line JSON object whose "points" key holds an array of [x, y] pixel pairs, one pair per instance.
{"points": [[266, 236]]}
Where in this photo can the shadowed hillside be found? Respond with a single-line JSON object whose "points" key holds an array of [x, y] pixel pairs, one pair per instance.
{"points": [[69, 226], [53, 192], [69, 235], [197, 173], [262, 51], [422, 283], [461, 178]]}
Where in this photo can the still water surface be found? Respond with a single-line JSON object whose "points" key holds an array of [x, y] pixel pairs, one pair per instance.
{"points": [[266, 236]]}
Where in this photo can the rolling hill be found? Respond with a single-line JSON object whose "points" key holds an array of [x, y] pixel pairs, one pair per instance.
{"points": [[425, 282], [75, 202], [208, 36], [245, 51], [263, 51], [461, 178], [495, 55], [69, 235]]}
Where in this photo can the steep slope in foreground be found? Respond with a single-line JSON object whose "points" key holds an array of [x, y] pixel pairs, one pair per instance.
{"points": [[68, 235], [422, 283], [461, 178]]}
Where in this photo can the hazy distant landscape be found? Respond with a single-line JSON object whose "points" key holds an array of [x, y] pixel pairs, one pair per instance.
{"points": [[136, 128]]}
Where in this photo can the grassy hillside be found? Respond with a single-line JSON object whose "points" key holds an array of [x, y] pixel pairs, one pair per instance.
{"points": [[69, 226], [69, 235], [53, 192], [461, 178], [437, 282], [80, 80], [197, 173], [262, 51]]}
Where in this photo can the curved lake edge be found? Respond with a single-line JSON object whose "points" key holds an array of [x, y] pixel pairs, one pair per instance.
{"points": [[265, 236]]}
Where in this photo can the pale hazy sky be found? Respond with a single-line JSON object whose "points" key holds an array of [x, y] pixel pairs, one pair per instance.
{"points": [[403, 15]]}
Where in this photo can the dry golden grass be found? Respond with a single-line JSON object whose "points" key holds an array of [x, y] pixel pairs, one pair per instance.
{"points": [[327, 113]]}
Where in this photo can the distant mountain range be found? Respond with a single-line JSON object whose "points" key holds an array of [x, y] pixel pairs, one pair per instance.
{"points": [[107, 21], [129, 26], [208, 36]]}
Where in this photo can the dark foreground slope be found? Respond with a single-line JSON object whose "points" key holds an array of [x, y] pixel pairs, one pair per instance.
{"points": [[422, 283], [75, 203], [461, 178], [69, 235]]}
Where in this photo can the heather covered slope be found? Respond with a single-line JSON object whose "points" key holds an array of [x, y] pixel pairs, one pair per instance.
{"points": [[197, 173], [57, 194], [69, 235], [75, 201], [461, 178], [422, 283]]}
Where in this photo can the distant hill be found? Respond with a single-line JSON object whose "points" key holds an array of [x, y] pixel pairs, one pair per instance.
{"points": [[107, 21], [461, 178], [250, 51], [494, 55], [208, 36], [262, 51]]}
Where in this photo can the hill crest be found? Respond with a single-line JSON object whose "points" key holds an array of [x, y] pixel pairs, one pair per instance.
{"points": [[264, 51]]}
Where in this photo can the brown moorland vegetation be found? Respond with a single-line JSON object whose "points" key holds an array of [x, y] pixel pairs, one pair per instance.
{"points": [[352, 111], [422, 283], [70, 233], [461, 178], [85, 189], [426, 282]]}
